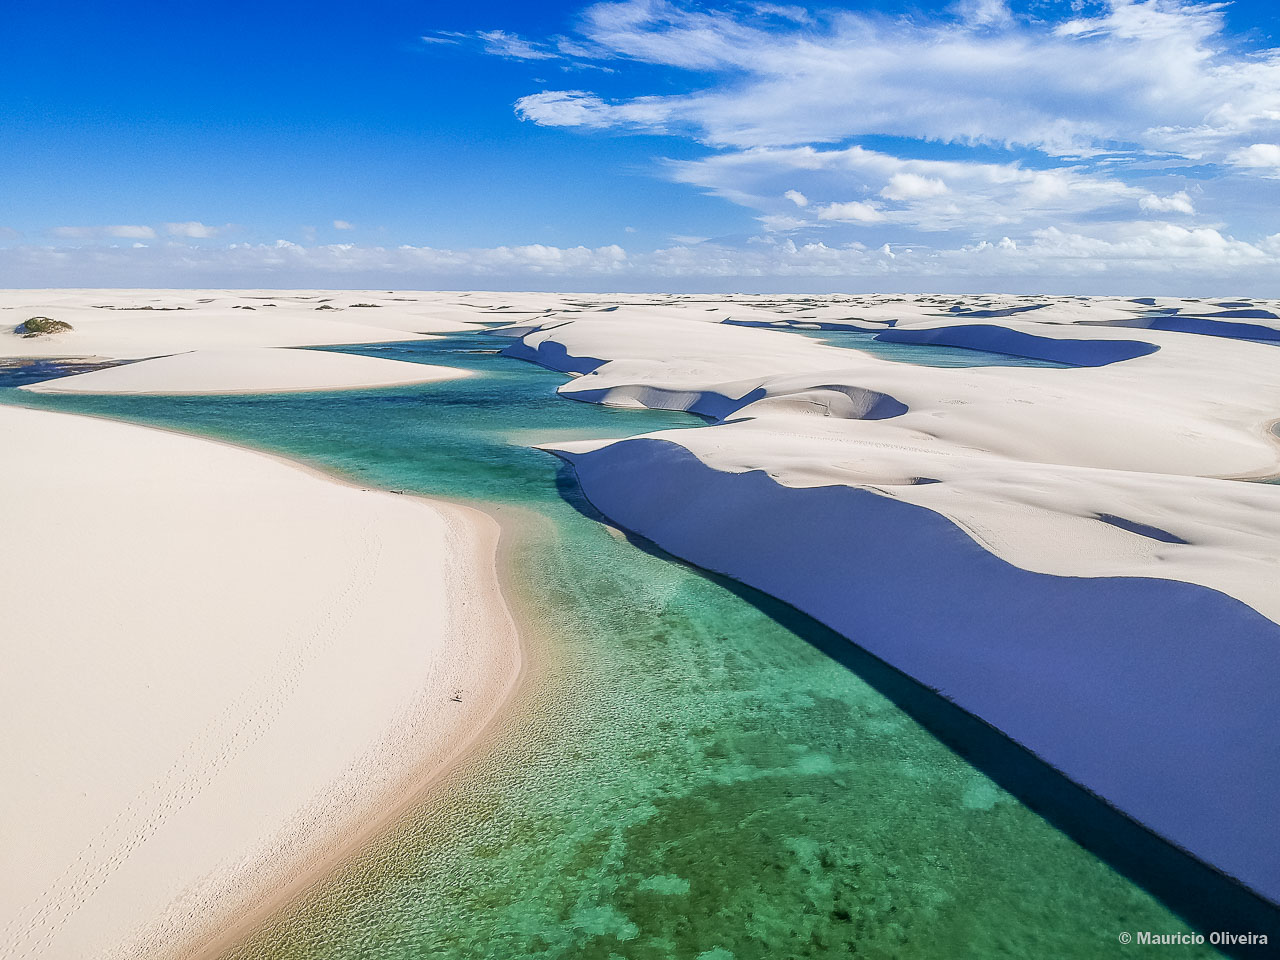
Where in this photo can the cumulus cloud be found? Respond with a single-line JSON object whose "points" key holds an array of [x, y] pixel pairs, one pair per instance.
{"points": [[930, 195], [852, 211], [1261, 157], [1179, 202], [1152, 246], [796, 197], [912, 186], [781, 223], [343, 225]]}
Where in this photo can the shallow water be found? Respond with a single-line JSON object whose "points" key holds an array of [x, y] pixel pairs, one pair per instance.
{"points": [[706, 775], [18, 373], [925, 355]]}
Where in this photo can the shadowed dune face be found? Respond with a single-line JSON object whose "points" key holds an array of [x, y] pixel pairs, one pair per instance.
{"points": [[552, 354], [1207, 326], [1110, 680], [1141, 529], [1079, 353]]}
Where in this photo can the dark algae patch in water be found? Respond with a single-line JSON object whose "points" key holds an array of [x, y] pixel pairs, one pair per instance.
{"points": [[695, 772]]}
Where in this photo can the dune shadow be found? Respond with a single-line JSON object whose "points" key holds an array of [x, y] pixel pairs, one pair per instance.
{"points": [[1205, 898]]}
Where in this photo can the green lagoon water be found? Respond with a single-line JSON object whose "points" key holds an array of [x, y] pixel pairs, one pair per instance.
{"points": [[704, 775], [927, 356]]}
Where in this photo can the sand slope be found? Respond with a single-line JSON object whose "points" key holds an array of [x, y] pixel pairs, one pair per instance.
{"points": [[218, 667], [248, 371]]}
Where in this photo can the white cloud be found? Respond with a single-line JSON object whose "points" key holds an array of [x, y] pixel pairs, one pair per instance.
{"points": [[983, 12], [503, 44], [1154, 246], [120, 231], [1159, 75], [852, 211], [912, 186], [931, 195], [576, 108], [781, 223], [343, 225], [1179, 202], [1102, 106], [1157, 257], [1263, 157], [130, 232], [193, 229], [782, 11]]}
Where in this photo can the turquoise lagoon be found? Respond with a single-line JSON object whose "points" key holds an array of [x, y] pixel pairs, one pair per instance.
{"points": [[695, 771], [921, 355]]}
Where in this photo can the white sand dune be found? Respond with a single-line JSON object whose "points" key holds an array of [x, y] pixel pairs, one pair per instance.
{"points": [[131, 324], [220, 670], [1060, 551], [249, 370], [1068, 553]]}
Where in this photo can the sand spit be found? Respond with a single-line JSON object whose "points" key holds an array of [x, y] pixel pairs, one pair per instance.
{"points": [[219, 668], [249, 370]]}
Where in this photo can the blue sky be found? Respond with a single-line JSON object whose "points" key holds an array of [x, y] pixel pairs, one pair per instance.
{"points": [[1046, 145]]}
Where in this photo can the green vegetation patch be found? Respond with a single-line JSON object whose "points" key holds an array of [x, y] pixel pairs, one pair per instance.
{"points": [[38, 326]]}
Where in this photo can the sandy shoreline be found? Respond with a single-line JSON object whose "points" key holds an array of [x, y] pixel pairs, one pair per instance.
{"points": [[451, 782], [276, 898], [370, 785]]}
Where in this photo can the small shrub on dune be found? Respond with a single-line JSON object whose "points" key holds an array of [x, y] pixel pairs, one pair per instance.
{"points": [[39, 326]]}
